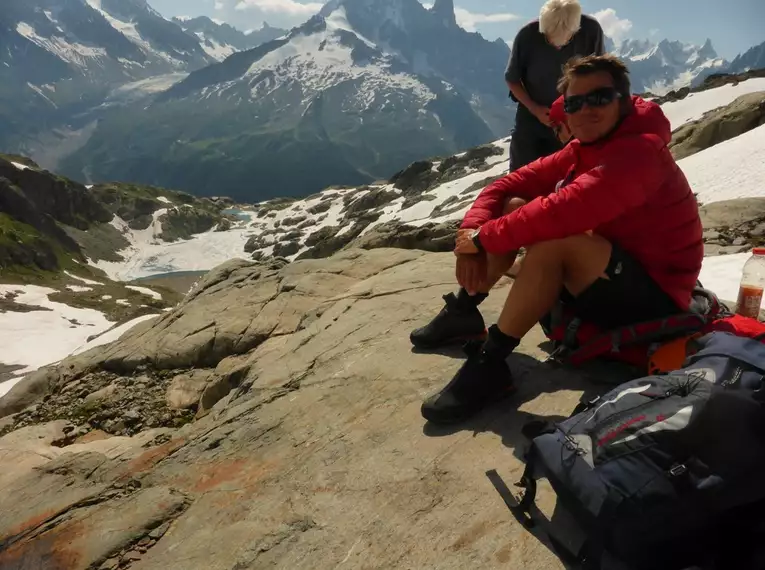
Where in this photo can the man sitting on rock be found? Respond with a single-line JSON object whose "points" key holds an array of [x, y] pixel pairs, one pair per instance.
{"points": [[609, 224]]}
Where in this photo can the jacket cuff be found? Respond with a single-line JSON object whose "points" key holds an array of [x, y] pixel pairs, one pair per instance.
{"points": [[492, 242]]}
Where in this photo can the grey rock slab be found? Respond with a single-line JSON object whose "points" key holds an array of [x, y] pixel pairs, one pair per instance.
{"points": [[732, 213], [93, 533], [312, 453]]}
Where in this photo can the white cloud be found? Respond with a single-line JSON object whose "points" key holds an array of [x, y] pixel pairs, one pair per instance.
{"points": [[614, 27], [286, 7], [219, 5], [653, 31], [469, 20]]}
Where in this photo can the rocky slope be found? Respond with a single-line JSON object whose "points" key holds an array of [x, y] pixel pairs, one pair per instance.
{"points": [[286, 434], [361, 89], [50, 222]]}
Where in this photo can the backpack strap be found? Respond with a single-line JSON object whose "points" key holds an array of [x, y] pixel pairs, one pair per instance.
{"points": [[653, 331]]}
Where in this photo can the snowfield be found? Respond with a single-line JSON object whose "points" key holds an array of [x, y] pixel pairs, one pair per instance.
{"points": [[729, 170], [695, 105], [40, 337]]}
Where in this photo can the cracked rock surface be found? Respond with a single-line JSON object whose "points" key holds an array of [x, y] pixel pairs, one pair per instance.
{"points": [[273, 421]]}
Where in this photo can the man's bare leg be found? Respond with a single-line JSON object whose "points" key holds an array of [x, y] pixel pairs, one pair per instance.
{"points": [[575, 263]]}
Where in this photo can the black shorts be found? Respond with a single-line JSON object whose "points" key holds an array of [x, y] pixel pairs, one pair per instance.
{"points": [[628, 296]]}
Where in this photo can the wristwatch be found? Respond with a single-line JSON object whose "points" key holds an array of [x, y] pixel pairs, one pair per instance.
{"points": [[475, 237]]}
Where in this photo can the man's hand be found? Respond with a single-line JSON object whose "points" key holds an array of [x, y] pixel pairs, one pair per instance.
{"points": [[465, 245], [563, 133], [471, 272]]}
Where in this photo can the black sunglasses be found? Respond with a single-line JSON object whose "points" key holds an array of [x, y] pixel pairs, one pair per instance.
{"points": [[595, 98]]}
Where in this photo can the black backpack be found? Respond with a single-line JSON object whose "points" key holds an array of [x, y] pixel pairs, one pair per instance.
{"points": [[664, 472]]}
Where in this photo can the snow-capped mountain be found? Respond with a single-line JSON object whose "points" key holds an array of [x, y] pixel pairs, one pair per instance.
{"points": [[220, 40], [666, 65], [753, 58], [360, 90], [106, 40]]}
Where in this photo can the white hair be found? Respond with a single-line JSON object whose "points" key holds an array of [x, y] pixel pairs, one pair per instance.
{"points": [[560, 19]]}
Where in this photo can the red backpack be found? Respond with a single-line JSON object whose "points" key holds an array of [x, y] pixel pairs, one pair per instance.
{"points": [[578, 341]]}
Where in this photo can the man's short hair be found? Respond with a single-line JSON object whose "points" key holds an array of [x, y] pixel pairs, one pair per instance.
{"points": [[587, 65], [560, 19]]}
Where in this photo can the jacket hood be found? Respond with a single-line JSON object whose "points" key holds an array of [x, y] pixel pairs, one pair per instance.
{"points": [[647, 118]]}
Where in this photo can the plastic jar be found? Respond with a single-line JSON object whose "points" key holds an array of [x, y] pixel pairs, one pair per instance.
{"points": [[752, 285]]}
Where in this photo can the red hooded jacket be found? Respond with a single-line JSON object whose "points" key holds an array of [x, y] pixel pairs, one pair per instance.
{"points": [[626, 188]]}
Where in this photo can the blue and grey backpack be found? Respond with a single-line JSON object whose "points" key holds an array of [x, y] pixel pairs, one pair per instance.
{"points": [[663, 472]]}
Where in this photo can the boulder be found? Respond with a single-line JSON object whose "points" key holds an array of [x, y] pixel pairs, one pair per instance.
{"points": [[185, 221], [733, 226], [369, 201], [742, 115], [283, 249], [428, 237], [308, 450], [415, 178], [223, 226], [185, 390]]}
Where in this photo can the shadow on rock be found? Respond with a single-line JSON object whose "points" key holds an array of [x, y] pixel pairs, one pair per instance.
{"points": [[506, 419]]}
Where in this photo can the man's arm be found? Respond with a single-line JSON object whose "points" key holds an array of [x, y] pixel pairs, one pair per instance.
{"points": [[514, 75], [541, 112], [626, 179], [538, 178]]}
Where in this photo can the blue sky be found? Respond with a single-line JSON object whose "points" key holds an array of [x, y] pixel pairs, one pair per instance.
{"points": [[733, 25]]}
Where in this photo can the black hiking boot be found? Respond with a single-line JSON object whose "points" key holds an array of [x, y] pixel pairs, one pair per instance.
{"points": [[483, 379], [456, 323]]}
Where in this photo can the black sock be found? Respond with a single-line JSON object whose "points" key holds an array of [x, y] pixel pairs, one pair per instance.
{"points": [[499, 343], [467, 300]]}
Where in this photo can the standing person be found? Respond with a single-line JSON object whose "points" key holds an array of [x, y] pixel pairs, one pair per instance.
{"points": [[540, 50]]}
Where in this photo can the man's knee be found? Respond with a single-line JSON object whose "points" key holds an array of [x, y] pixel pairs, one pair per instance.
{"points": [[512, 204]]}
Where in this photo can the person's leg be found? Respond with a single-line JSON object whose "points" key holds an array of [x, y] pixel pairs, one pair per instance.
{"points": [[575, 263], [460, 319]]}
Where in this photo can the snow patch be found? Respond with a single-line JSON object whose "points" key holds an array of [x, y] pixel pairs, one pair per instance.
{"points": [[79, 288], [732, 169], [695, 105], [164, 200], [82, 279], [722, 275], [57, 331], [69, 51], [145, 291], [20, 166], [113, 334]]}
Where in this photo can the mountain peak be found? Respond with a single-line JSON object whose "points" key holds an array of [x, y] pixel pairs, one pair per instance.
{"points": [[444, 10]]}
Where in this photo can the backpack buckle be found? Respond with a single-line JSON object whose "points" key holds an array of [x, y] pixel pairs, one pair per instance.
{"points": [[558, 355], [678, 470]]}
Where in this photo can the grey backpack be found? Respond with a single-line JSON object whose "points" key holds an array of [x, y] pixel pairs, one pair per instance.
{"points": [[663, 472]]}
